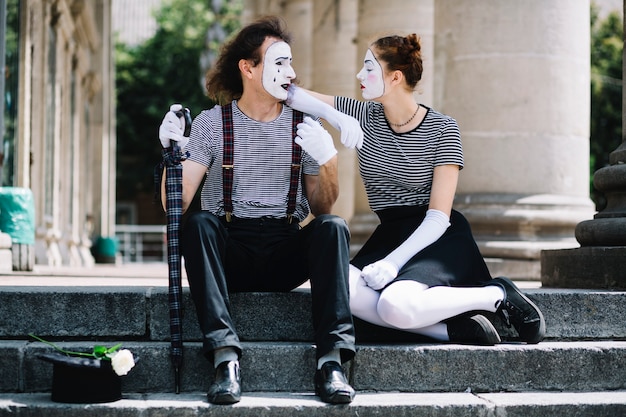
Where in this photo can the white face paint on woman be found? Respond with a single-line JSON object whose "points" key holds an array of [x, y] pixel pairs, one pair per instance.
{"points": [[277, 70], [371, 77]]}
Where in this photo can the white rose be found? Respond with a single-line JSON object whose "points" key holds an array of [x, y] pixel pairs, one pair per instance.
{"points": [[122, 362]]}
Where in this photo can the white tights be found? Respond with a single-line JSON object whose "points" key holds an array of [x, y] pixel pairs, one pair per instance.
{"points": [[413, 307]]}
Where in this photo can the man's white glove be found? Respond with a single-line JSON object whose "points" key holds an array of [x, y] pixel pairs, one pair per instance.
{"points": [[380, 273], [351, 133], [172, 128], [315, 140]]}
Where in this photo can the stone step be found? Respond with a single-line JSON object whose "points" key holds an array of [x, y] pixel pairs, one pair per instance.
{"points": [[288, 367], [141, 313], [574, 404]]}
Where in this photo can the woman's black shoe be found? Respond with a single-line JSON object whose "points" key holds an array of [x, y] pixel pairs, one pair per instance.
{"points": [[331, 384], [226, 389], [517, 310], [474, 330]]}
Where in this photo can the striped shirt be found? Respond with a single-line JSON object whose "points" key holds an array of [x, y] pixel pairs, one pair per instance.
{"points": [[261, 159], [397, 168]]}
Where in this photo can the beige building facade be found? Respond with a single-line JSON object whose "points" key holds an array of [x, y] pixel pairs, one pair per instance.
{"points": [[515, 75], [65, 140]]}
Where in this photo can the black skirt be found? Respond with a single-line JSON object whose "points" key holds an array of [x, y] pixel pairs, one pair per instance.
{"points": [[453, 260]]}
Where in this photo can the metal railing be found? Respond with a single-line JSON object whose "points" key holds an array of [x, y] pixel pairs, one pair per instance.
{"points": [[142, 243]]}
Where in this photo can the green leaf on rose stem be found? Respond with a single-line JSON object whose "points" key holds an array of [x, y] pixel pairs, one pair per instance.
{"points": [[114, 348], [99, 351], [67, 352]]}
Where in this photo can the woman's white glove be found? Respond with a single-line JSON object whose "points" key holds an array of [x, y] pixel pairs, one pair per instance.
{"points": [[380, 273], [172, 128], [351, 133], [315, 140]]}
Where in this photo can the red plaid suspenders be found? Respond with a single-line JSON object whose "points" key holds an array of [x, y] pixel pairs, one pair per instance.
{"points": [[227, 160], [228, 166], [296, 163]]}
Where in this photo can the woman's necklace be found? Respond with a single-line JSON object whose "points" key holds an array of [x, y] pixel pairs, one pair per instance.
{"points": [[408, 121]]}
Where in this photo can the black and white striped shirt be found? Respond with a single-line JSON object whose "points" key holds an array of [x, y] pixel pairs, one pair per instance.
{"points": [[397, 168], [262, 164]]}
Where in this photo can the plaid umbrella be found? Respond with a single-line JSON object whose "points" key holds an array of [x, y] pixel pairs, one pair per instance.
{"points": [[174, 207]]}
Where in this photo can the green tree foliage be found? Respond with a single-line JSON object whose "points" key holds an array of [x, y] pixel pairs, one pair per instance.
{"points": [[606, 91], [163, 70]]}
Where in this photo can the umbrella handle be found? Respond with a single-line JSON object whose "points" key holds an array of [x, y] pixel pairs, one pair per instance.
{"points": [[186, 114]]}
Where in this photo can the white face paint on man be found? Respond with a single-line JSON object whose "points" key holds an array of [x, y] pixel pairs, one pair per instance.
{"points": [[277, 70], [371, 77]]}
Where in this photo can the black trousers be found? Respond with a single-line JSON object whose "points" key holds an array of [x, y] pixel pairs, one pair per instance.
{"points": [[269, 255]]}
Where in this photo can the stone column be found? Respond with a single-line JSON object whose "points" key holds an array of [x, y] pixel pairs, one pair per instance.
{"points": [[599, 262], [253, 9], [56, 134], [332, 71], [109, 138], [23, 145], [86, 40], [102, 120], [400, 17], [515, 75], [6, 261], [299, 17]]}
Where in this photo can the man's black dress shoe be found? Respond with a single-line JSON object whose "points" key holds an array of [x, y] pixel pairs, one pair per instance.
{"points": [[331, 384], [226, 389]]}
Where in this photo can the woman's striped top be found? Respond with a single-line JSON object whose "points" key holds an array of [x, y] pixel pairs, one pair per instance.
{"points": [[397, 168]]}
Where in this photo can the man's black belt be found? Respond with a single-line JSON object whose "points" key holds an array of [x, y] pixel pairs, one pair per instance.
{"points": [[259, 221]]}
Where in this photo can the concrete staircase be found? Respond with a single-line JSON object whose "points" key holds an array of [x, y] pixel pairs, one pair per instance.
{"points": [[579, 370]]}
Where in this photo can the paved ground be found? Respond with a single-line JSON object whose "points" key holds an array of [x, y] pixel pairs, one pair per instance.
{"points": [[131, 274], [144, 274]]}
